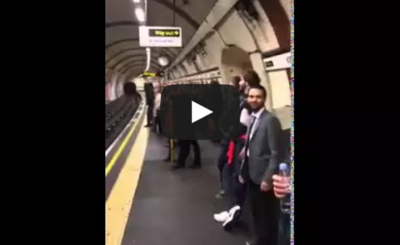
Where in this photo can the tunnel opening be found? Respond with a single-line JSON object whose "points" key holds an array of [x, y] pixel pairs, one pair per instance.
{"points": [[234, 62], [130, 89], [121, 110]]}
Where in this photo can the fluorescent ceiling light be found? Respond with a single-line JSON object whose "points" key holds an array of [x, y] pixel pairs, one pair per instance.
{"points": [[148, 59], [163, 61], [140, 14], [136, 1]]}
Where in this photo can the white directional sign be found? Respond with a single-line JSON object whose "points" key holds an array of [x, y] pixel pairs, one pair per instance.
{"points": [[160, 36], [198, 112], [278, 62]]}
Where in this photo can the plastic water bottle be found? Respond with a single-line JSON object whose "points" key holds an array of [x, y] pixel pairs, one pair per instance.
{"points": [[284, 171]]}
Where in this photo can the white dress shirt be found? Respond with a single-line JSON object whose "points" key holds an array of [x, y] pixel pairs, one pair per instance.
{"points": [[245, 117], [157, 103]]}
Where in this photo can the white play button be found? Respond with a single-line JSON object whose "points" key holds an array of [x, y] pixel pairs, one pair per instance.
{"points": [[198, 112]]}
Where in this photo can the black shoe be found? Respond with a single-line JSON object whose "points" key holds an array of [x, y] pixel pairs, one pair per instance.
{"points": [[177, 167], [168, 159], [241, 225], [148, 125], [232, 218]]}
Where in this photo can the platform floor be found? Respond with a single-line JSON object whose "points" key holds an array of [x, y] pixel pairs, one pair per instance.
{"points": [[177, 207]]}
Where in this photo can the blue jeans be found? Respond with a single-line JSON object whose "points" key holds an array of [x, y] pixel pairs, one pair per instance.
{"points": [[284, 229], [235, 190], [222, 160]]}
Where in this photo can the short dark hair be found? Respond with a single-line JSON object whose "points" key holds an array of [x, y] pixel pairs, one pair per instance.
{"points": [[236, 81], [251, 77], [260, 87], [214, 82]]}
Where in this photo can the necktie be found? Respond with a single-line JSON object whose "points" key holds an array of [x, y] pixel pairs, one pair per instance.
{"points": [[249, 134]]}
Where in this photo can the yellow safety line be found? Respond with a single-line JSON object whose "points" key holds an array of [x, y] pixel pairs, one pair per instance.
{"points": [[119, 202], [123, 144]]}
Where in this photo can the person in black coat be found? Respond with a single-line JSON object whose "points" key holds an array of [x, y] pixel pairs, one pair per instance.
{"points": [[149, 92], [186, 130]]}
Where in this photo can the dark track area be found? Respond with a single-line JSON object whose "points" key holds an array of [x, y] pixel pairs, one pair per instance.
{"points": [[118, 114]]}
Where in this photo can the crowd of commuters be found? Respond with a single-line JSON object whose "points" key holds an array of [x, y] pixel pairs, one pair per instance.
{"points": [[247, 164]]}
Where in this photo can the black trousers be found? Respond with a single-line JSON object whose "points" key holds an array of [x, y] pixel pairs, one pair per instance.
{"points": [[239, 191], [265, 211], [236, 191], [184, 150], [157, 124], [284, 229], [150, 109]]}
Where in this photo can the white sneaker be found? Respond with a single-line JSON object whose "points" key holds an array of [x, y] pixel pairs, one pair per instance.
{"points": [[221, 217], [234, 209], [232, 215]]}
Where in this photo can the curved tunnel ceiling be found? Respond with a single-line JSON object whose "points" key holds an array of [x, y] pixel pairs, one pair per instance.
{"points": [[122, 32], [118, 58], [134, 66], [128, 66], [123, 52], [143, 60], [124, 60]]}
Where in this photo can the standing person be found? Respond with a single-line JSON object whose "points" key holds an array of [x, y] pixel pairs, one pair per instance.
{"points": [[214, 100], [240, 85], [242, 90], [157, 104], [236, 191], [251, 78], [281, 190], [187, 130], [149, 92], [222, 158], [168, 125], [184, 150], [261, 158]]}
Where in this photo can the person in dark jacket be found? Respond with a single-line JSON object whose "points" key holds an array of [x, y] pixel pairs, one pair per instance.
{"points": [[186, 130], [236, 191], [261, 157], [150, 97], [222, 159]]}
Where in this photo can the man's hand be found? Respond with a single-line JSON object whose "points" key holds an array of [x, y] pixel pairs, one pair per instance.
{"points": [[264, 186], [281, 186]]}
